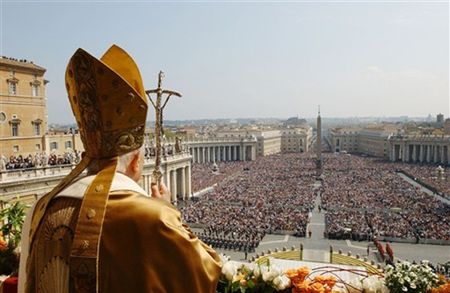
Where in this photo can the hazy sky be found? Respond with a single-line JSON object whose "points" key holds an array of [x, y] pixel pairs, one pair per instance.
{"points": [[250, 59]]}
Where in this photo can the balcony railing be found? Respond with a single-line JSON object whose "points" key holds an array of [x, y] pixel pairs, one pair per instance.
{"points": [[13, 175]]}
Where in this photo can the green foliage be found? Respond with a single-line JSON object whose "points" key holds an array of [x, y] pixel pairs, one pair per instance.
{"points": [[12, 218]]}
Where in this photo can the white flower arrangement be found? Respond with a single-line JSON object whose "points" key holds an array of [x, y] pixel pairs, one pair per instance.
{"points": [[229, 270], [281, 282], [371, 284], [252, 278], [407, 277], [267, 278]]}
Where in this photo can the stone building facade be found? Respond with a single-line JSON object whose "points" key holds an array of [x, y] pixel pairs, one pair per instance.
{"points": [[371, 141], [344, 139], [269, 142], [447, 126], [391, 144], [247, 144], [420, 149], [24, 131], [296, 140], [23, 112], [63, 142]]}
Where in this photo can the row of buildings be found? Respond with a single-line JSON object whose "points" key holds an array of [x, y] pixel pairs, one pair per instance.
{"points": [[409, 143], [246, 143], [24, 125], [24, 132]]}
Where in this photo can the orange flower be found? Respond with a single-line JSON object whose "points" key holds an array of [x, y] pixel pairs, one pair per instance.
{"points": [[3, 244], [316, 288], [330, 281], [445, 288], [320, 284], [307, 286], [298, 275], [319, 279], [301, 287], [442, 279]]}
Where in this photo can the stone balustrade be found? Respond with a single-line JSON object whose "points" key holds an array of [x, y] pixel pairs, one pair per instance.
{"points": [[36, 172], [28, 184]]}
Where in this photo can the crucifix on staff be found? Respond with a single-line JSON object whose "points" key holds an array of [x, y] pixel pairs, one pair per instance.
{"points": [[159, 131]]}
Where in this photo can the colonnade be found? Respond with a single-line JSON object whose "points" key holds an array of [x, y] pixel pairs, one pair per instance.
{"points": [[222, 153], [177, 180], [420, 152]]}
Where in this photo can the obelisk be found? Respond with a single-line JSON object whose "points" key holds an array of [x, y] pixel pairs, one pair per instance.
{"points": [[319, 141]]}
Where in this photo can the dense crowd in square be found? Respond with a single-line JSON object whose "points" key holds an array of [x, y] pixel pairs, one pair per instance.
{"points": [[429, 175], [273, 194], [203, 175], [365, 197]]}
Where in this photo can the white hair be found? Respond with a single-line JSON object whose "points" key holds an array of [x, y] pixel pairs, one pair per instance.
{"points": [[122, 164], [125, 159]]}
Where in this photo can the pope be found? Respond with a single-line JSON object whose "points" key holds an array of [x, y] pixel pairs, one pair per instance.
{"points": [[98, 231]]}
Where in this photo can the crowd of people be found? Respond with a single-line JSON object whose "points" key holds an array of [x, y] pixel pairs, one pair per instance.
{"points": [[205, 175], [38, 160], [429, 175], [346, 224], [42, 159], [227, 238], [365, 197], [273, 194]]}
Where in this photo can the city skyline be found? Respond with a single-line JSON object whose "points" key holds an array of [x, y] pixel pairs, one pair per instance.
{"points": [[250, 59], [337, 121]]}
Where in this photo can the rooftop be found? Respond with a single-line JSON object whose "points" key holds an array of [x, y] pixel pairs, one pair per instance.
{"points": [[20, 63]]}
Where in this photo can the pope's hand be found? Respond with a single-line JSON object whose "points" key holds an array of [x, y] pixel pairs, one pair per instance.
{"points": [[162, 192]]}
